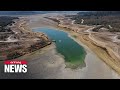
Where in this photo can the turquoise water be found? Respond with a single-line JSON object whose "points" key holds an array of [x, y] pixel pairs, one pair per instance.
{"points": [[73, 53]]}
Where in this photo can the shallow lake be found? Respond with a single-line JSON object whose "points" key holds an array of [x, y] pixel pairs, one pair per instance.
{"points": [[73, 53]]}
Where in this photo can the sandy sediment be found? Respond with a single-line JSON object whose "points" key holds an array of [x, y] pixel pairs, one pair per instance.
{"points": [[46, 63], [101, 49], [99, 42], [101, 70]]}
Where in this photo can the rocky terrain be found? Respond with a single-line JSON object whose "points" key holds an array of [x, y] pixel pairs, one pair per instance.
{"points": [[20, 40], [95, 36], [46, 63]]}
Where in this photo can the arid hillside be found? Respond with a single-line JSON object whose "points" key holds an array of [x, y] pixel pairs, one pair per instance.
{"points": [[16, 38]]}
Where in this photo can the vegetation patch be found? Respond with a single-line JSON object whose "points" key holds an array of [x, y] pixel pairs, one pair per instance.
{"points": [[108, 19]]}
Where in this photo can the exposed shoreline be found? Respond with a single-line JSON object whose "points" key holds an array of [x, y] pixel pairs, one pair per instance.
{"points": [[46, 63], [88, 53], [105, 53], [95, 49]]}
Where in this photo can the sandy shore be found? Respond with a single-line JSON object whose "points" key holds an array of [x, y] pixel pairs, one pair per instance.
{"points": [[46, 63], [92, 60]]}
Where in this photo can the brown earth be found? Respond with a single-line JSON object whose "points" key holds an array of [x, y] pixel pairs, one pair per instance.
{"points": [[22, 41], [100, 42]]}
